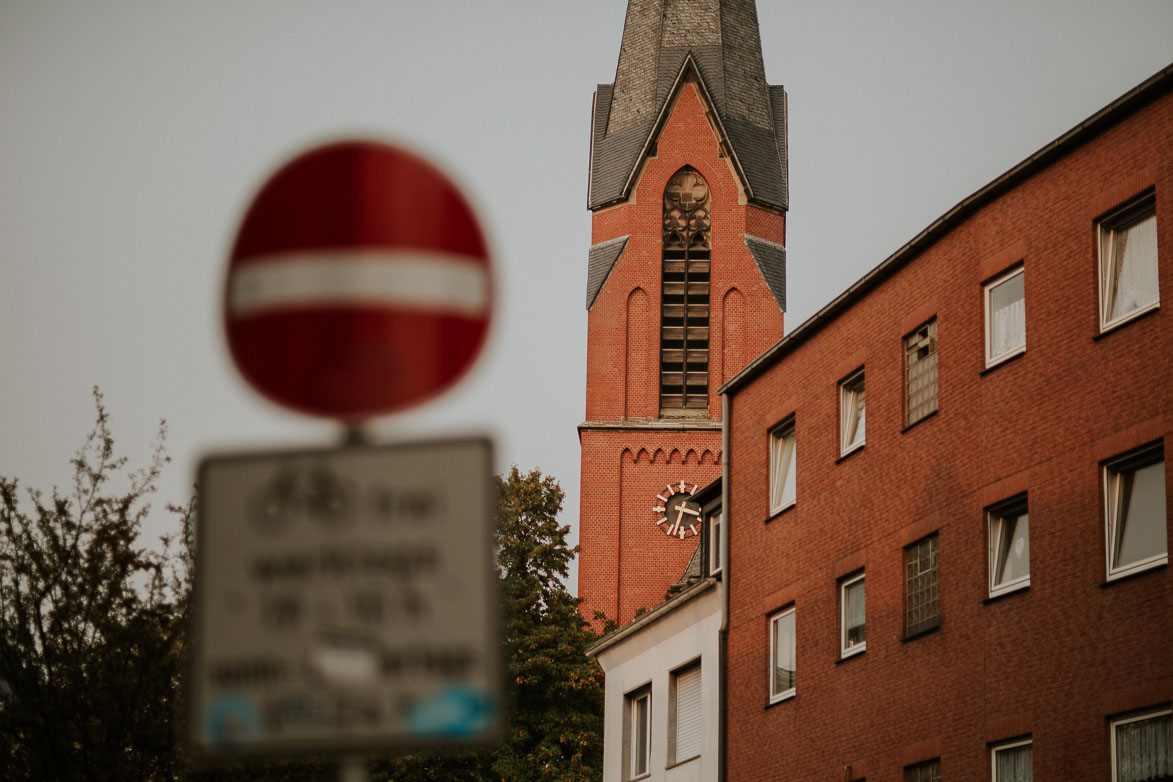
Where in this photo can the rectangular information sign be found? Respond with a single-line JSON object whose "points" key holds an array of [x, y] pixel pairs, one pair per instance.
{"points": [[346, 600]]}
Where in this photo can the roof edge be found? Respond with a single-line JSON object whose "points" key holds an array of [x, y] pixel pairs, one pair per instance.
{"points": [[652, 616], [657, 127], [593, 141], [724, 140], [597, 249], [662, 119], [653, 425], [1128, 103]]}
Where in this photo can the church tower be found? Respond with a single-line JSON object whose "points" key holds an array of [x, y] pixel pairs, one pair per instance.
{"points": [[686, 282]]}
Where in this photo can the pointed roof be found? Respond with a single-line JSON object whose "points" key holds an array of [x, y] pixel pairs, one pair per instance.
{"points": [[600, 261], [666, 42]]}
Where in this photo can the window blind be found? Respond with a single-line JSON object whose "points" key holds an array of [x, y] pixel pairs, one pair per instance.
{"points": [[689, 722]]}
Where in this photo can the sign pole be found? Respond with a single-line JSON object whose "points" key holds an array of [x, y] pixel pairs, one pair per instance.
{"points": [[352, 768], [350, 603], [354, 435]]}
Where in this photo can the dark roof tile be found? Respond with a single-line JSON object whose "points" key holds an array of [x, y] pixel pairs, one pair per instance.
{"points": [[723, 41], [601, 260], [771, 260]]}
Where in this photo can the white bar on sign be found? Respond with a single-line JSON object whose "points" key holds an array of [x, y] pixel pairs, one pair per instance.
{"points": [[450, 284], [340, 665]]}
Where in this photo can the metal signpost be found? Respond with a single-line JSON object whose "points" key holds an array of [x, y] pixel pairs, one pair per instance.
{"points": [[346, 599]]}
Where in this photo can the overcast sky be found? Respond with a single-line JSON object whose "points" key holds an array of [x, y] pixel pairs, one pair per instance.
{"points": [[134, 134]]}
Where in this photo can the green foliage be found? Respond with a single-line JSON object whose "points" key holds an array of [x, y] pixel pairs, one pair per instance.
{"points": [[91, 625], [556, 733], [92, 638]]}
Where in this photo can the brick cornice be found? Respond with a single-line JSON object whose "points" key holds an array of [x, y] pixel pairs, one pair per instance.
{"points": [[1132, 437], [993, 265], [652, 425]]}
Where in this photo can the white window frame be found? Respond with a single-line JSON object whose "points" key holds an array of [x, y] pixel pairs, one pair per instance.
{"points": [[714, 525], [674, 754], [1113, 483], [1108, 230], [846, 650], [996, 524], [933, 765], [783, 495], [781, 695], [1148, 715], [631, 759], [1002, 747], [992, 358], [852, 413]]}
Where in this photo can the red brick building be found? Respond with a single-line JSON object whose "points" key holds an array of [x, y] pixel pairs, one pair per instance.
{"points": [[947, 491], [686, 282]]}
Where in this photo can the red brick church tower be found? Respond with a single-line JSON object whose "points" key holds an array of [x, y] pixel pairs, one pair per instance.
{"points": [[685, 283]]}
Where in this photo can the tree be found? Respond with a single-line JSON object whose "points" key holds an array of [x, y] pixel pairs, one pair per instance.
{"points": [[556, 732], [93, 628], [91, 625]]}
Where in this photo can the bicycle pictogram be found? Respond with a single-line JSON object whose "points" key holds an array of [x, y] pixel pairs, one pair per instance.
{"points": [[311, 492]]}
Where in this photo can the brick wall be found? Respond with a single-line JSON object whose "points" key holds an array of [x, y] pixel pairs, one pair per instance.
{"points": [[1053, 661], [626, 561]]}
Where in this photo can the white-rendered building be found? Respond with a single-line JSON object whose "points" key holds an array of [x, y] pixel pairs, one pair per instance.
{"points": [[663, 676]]}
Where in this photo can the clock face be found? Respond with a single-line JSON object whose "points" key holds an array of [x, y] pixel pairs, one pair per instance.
{"points": [[676, 512]]}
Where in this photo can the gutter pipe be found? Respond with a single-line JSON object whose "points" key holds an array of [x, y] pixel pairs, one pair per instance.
{"points": [[723, 634]]}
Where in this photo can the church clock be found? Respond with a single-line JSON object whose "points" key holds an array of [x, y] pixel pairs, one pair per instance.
{"points": [[685, 284], [677, 515]]}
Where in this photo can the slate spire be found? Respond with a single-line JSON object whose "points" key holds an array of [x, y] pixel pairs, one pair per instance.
{"points": [[665, 42]]}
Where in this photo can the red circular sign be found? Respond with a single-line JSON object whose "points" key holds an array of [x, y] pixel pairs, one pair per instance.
{"points": [[359, 283]]}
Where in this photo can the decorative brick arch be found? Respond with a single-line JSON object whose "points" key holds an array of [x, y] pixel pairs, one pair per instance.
{"points": [[690, 456], [733, 334], [639, 393]]}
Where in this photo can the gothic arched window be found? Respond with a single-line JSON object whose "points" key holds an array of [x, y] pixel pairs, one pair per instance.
{"points": [[684, 304]]}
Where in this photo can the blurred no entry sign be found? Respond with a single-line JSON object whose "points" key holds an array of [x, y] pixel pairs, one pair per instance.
{"points": [[358, 284]]}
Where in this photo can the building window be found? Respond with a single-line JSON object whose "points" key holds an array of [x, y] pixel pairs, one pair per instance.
{"points": [[929, 771], [1142, 747], [852, 413], [782, 648], [782, 466], [1012, 762], [685, 723], [714, 525], [852, 635], [1134, 511], [920, 373], [1128, 261], [1008, 533], [1005, 317], [637, 733], [921, 604], [684, 291]]}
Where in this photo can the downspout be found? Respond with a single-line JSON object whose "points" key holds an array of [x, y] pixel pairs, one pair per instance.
{"points": [[723, 635]]}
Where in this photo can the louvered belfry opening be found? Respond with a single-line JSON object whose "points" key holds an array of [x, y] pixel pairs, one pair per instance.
{"points": [[684, 306]]}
